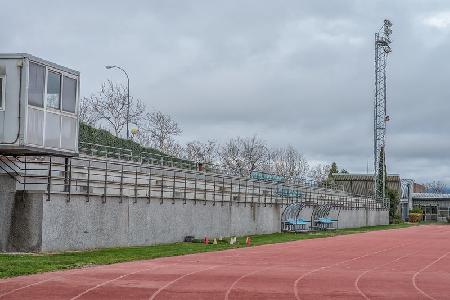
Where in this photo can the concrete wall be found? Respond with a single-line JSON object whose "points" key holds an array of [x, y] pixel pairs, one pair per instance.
{"points": [[7, 194], [25, 232], [360, 218], [82, 225], [28, 222]]}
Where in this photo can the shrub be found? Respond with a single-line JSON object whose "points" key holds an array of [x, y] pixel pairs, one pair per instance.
{"points": [[414, 217], [397, 220], [416, 210], [448, 219], [92, 135]]}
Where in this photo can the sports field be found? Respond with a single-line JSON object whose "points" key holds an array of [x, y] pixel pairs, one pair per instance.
{"points": [[407, 263]]}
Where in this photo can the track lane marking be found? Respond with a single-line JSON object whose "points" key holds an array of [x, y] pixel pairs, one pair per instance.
{"points": [[38, 282], [423, 269], [27, 286], [153, 296], [377, 267], [297, 296], [240, 278], [154, 267]]}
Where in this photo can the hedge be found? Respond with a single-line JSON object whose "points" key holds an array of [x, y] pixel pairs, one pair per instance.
{"points": [[92, 135]]}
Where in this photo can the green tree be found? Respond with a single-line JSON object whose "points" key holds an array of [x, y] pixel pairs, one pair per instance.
{"points": [[394, 202], [381, 175], [333, 169]]}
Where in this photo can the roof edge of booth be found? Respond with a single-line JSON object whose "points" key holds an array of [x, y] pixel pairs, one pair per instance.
{"points": [[38, 60]]}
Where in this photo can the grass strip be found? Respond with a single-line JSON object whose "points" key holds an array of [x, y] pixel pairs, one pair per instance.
{"points": [[25, 264]]}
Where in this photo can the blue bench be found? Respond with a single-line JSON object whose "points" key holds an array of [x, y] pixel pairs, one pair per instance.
{"points": [[325, 223], [296, 225]]}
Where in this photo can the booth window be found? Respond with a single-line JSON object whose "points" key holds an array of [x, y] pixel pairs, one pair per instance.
{"points": [[53, 90], [36, 85], [69, 96], [2, 93]]}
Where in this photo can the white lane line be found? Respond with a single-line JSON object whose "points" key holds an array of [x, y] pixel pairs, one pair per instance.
{"points": [[297, 296], [26, 286], [33, 284], [154, 267], [375, 268], [423, 269], [153, 296], [227, 294]]}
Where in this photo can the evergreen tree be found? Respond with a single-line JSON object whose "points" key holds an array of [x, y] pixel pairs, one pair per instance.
{"points": [[394, 201], [380, 192], [333, 169]]}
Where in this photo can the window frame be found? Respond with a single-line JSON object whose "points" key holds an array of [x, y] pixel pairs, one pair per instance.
{"points": [[62, 74], [44, 92], [75, 78], [3, 93], [59, 73], [60, 112]]}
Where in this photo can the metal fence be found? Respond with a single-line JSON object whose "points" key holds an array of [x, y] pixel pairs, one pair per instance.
{"points": [[96, 151], [109, 178]]}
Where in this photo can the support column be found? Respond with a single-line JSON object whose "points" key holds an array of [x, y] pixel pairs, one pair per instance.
{"points": [[7, 194]]}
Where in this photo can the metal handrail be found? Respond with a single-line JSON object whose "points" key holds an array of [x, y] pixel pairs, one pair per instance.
{"points": [[167, 160], [109, 178]]}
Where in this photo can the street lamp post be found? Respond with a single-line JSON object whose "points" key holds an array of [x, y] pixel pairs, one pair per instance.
{"points": [[128, 95]]}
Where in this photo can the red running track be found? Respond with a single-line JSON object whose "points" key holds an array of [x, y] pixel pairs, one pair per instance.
{"points": [[409, 263]]}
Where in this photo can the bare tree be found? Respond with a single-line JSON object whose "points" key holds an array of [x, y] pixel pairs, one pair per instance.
{"points": [[141, 135], [173, 148], [319, 173], [201, 152], [290, 164], [110, 104], [88, 114], [436, 187], [241, 156], [158, 130]]}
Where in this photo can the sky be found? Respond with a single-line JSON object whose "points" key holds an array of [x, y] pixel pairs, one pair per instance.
{"points": [[292, 72]]}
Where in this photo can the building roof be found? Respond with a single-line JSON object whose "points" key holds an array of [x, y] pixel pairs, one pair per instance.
{"points": [[430, 196], [38, 60], [363, 177]]}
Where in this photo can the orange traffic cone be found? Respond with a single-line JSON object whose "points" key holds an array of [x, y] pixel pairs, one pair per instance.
{"points": [[247, 241]]}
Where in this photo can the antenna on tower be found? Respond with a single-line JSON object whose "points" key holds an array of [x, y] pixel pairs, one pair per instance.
{"points": [[382, 50]]}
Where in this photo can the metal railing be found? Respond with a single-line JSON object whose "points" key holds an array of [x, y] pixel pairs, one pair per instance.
{"points": [[109, 178], [102, 151]]}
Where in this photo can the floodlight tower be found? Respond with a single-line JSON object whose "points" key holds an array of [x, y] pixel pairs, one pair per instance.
{"points": [[382, 50]]}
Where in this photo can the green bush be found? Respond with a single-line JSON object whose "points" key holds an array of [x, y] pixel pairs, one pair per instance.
{"points": [[414, 217], [92, 135], [397, 220], [448, 219], [416, 210]]}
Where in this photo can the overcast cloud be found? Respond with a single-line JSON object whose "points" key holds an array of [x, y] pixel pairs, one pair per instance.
{"points": [[298, 72]]}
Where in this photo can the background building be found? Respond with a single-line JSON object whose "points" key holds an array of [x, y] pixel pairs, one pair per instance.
{"points": [[362, 184], [435, 207]]}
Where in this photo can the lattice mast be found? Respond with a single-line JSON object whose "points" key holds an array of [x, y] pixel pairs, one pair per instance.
{"points": [[382, 50]]}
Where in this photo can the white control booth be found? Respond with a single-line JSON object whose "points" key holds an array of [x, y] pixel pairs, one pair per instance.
{"points": [[39, 106]]}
